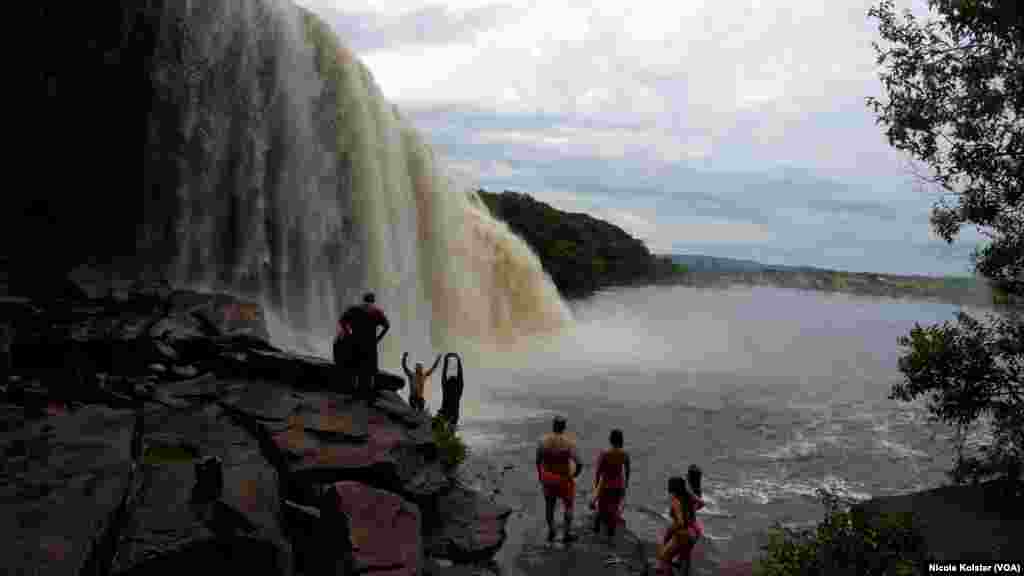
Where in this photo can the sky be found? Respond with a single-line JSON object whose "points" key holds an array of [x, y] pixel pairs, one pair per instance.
{"points": [[729, 128]]}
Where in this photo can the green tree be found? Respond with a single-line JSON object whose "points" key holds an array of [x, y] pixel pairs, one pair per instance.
{"points": [[849, 541], [954, 100]]}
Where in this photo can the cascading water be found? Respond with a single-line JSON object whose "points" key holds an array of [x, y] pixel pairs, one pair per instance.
{"points": [[301, 185]]}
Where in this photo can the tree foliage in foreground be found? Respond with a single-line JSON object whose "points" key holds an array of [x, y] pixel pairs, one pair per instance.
{"points": [[847, 542], [954, 100], [971, 372]]}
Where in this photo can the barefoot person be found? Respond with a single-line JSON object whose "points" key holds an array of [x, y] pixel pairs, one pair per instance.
{"points": [[361, 322], [557, 469], [418, 378], [611, 478]]}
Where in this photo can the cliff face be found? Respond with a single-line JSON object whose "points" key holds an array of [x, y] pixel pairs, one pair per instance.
{"points": [[157, 432]]}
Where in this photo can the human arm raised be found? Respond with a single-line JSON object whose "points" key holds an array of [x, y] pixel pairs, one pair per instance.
{"points": [[434, 365], [405, 365]]}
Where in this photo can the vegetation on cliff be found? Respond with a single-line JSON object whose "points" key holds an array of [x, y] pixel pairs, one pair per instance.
{"points": [[582, 254]]}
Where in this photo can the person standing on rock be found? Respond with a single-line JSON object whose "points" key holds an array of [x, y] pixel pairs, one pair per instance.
{"points": [[451, 390], [361, 323], [611, 478], [418, 380], [557, 469]]}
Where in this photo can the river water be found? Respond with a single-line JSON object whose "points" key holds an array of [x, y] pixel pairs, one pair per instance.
{"points": [[773, 392]]}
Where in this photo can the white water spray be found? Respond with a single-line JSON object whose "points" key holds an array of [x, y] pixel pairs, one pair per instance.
{"points": [[302, 186]]}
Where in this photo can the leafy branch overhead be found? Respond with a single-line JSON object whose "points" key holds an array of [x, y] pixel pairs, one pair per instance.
{"points": [[954, 100]]}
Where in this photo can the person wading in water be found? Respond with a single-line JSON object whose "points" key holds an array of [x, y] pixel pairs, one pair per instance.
{"points": [[418, 380], [683, 534], [361, 322], [611, 478], [556, 458]]}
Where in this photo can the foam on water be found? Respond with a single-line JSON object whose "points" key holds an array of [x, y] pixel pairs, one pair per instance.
{"points": [[768, 490]]}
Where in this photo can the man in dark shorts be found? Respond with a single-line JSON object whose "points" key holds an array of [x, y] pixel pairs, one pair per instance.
{"points": [[361, 323], [557, 469]]}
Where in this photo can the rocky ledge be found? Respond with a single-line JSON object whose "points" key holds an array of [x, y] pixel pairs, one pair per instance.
{"points": [[153, 431]]}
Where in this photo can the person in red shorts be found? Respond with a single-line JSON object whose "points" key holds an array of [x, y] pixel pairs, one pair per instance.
{"points": [[557, 468], [611, 478]]}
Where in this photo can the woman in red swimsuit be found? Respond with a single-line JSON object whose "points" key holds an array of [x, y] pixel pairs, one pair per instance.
{"points": [[685, 531]]}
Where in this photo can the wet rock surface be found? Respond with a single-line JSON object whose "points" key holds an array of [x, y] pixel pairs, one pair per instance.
{"points": [[173, 437], [60, 480]]}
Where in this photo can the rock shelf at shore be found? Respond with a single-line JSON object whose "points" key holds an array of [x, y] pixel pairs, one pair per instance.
{"points": [[148, 432]]}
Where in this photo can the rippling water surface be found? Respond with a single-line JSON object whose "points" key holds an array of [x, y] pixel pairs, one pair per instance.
{"points": [[774, 393]]}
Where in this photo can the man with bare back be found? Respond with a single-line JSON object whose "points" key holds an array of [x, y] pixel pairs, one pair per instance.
{"points": [[557, 468]]}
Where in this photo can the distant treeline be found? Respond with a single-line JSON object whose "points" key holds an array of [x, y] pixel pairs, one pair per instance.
{"points": [[581, 253]]}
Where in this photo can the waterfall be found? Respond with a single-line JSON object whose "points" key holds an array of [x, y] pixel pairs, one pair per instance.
{"points": [[297, 183]]}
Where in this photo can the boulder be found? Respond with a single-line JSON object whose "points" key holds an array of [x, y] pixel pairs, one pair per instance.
{"points": [[312, 457], [260, 399], [205, 388], [333, 416], [469, 527], [384, 529], [224, 313], [319, 536], [182, 521], [394, 406], [431, 480], [388, 381]]}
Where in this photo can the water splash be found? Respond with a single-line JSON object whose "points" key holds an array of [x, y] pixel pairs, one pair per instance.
{"points": [[301, 186]]}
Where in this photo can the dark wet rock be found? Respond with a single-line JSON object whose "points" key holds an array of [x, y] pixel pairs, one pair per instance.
{"points": [[186, 372], [275, 365], [166, 350], [185, 519], [997, 521], [263, 400], [384, 529], [388, 381], [320, 536], [334, 417], [78, 463], [432, 479], [205, 388], [469, 527], [325, 459], [224, 313], [278, 423], [392, 404], [592, 554]]}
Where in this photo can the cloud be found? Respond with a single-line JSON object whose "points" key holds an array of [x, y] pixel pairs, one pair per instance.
{"points": [[432, 24], [739, 127]]}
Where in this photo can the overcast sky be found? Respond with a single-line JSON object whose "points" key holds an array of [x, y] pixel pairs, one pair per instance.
{"points": [[729, 127]]}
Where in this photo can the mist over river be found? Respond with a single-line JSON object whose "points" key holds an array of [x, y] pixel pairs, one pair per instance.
{"points": [[773, 392]]}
